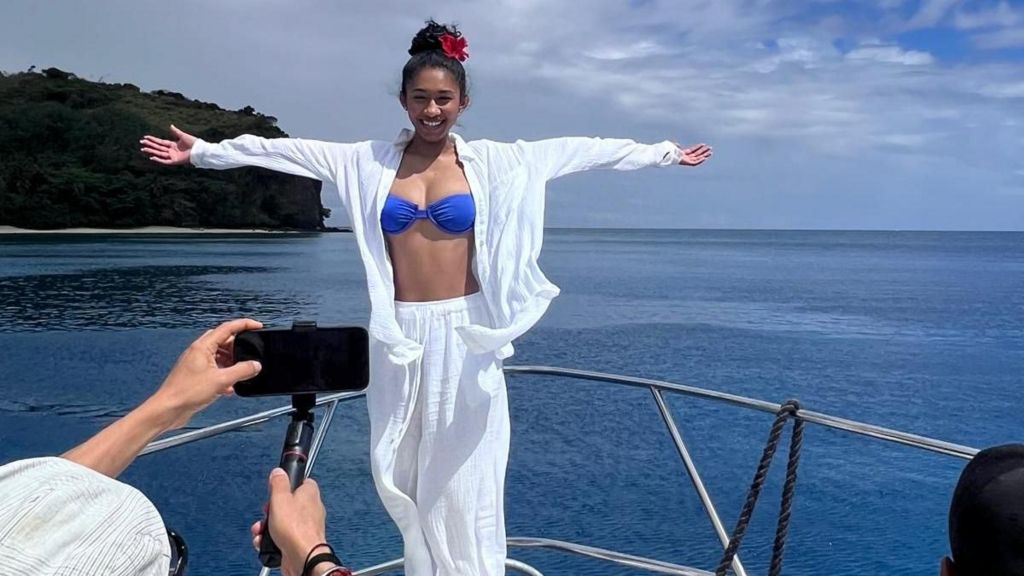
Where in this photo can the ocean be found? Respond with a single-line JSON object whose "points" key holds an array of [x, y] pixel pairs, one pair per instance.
{"points": [[913, 330]]}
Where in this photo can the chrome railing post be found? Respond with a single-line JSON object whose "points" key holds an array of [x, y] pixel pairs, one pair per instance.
{"points": [[314, 449], [698, 484], [657, 387], [860, 428], [239, 423], [618, 558], [318, 440], [510, 564]]}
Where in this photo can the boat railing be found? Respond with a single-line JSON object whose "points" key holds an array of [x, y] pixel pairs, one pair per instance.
{"points": [[658, 388]]}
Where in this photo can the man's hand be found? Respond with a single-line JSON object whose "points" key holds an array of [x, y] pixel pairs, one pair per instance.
{"points": [[204, 371], [298, 522]]}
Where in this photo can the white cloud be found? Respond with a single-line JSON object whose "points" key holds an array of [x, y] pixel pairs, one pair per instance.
{"points": [[1003, 90], [790, 114], [1001, 15], [908, 140], [931, 12], [993, 26], [803, 52], [891, 55], [797, 87], [999, 39], [641, 49]]}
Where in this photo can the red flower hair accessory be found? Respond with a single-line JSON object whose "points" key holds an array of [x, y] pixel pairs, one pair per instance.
{"points": [[454, 47]]}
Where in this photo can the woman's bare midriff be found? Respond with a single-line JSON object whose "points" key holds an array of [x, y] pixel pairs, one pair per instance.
{"points": [[431, 264]]}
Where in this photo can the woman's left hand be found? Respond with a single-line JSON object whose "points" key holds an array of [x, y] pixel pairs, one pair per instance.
{"points": [[695, 155]]}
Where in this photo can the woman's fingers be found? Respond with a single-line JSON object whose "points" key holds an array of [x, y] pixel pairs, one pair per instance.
{"points": [[155, 140], [698, 149], [696, 155], [160, 157], [700, 152], [161, 152], [153, 144]]}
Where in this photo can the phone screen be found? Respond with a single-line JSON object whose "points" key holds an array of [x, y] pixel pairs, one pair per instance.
{"points": [[304, 360]]}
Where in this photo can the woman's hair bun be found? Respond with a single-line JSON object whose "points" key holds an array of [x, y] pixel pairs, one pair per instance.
{"points": [[429, 37]]}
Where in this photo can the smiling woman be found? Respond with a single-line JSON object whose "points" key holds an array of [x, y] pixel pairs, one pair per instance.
{"points": [[451, 285]]}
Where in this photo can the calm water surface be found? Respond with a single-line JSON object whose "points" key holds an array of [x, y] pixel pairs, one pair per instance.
{"points": [[918, 331]]}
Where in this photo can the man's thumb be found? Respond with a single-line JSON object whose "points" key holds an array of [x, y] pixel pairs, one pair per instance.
{"points": [[240, 371], [279, 482]]}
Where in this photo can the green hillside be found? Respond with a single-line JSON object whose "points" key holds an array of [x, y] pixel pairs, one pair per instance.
{"points": [[69, 157]]}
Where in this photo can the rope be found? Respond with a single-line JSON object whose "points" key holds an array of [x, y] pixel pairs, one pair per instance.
{"points": [[786, 411], [796, 441]]}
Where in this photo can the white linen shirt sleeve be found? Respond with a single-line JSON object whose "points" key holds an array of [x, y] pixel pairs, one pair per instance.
{"points": [[315, 159], [557, 157]]}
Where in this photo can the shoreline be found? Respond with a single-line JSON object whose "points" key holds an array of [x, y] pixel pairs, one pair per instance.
{"points": [[166, 230], [13, 230]]}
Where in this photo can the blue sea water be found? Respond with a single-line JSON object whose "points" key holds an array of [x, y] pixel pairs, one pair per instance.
{"points": [[918, 331]]}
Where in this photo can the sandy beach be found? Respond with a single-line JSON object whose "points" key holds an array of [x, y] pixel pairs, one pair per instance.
{"points": [[159, 230]]}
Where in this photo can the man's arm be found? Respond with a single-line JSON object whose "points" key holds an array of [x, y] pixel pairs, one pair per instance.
{"points": [[205, 371]]}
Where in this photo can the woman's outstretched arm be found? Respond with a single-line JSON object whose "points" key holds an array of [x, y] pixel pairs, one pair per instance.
{"points": [[560, 156], [310, 158]]}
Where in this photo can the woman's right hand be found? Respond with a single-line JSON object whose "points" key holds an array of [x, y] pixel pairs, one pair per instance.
{"points": [[169, 152]]}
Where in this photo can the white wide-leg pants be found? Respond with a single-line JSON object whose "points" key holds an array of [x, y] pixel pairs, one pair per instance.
{"points": [[439, 441]]}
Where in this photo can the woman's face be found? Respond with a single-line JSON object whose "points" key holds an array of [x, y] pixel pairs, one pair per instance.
{"points": [[434, 102]]}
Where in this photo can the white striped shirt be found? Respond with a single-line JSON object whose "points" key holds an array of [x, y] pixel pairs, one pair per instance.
{"points": [[58, 517]]}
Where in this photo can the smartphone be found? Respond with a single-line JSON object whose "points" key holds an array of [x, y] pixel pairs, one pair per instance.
{"points": [[304, 360]]}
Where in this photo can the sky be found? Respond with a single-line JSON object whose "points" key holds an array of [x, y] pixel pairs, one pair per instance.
{"points": [[823, 114]]}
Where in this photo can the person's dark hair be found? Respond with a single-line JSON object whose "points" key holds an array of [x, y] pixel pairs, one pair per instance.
{"points": [[426, 52], [986, 517]]}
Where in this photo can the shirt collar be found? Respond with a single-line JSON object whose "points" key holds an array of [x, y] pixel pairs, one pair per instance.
{"points": [[463, 149]]}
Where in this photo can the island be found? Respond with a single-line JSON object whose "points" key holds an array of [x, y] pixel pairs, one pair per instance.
{"points": [[69, 158]]}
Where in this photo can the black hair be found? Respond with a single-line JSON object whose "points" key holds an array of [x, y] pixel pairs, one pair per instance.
{"points": [[986, 517], [426, 52]]}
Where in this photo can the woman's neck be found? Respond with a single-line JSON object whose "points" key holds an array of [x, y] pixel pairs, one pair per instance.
{"points": [[421, 147]]}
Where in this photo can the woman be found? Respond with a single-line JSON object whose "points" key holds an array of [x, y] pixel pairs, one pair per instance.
{"points": [[449, 232]]}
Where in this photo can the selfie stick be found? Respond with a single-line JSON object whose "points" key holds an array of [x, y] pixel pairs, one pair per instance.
{"points": [[294, 454]]}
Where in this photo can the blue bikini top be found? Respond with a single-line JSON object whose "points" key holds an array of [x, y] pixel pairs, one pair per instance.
{"points": [[453, 214]]}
